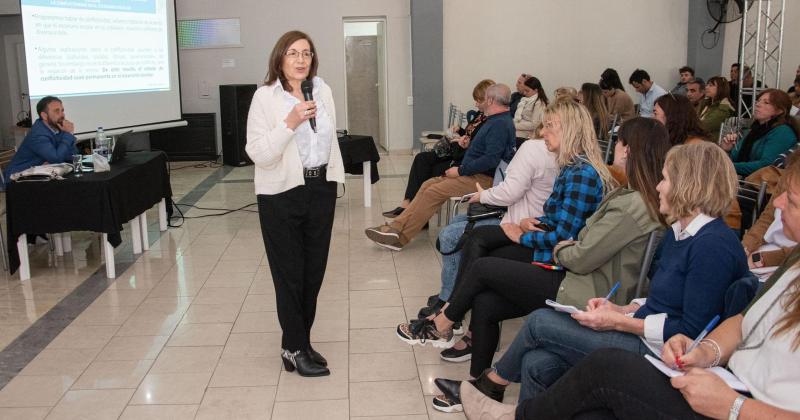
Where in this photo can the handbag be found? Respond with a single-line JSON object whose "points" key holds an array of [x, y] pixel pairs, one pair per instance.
{"points": [[443, 149], [475, 212]]}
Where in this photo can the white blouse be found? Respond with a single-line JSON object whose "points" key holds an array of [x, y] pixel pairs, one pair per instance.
{"points": [[314, 148], [771, 370]]}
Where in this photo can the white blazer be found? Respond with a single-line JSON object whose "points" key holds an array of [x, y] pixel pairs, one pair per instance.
{"points": [[271, 145]]}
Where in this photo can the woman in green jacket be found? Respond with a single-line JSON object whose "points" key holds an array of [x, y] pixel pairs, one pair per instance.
{"points": [[773, 132], [608, 249], [716, 107]]}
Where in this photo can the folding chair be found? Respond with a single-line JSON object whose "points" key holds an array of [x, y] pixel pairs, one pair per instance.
{"points": [[647, 260], [752, 199]]}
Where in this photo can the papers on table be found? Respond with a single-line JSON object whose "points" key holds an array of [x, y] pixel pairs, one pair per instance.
{"points": [[562, 308], [725, 374]]}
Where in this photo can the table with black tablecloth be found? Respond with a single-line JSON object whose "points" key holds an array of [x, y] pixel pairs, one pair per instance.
{"points": [[100, 202], [360, 157]]}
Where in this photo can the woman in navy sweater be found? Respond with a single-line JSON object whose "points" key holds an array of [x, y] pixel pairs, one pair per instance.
{"points": [[700, 258]]}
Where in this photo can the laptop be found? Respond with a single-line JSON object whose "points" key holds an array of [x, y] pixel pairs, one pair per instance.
{"points": [[120, 148]]}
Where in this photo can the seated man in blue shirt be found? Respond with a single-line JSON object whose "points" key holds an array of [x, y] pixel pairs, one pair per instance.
{"points": [[49, 141], [648, 92]]}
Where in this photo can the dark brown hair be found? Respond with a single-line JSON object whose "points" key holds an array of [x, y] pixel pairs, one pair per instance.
{"points": [[275, 67], [781, 101], [534, 83], [723, 89], [682, 121], [648, 143]]}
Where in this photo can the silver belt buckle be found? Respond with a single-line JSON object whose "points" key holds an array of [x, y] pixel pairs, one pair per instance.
{"points": [[312, 172]]}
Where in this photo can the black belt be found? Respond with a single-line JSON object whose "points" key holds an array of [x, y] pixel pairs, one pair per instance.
{"points": [[314, 172]]}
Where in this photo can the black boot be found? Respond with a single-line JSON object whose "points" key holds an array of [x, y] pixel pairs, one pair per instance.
{"points": [[316, 357], [452, 392], [492, 390], [301, 361]]}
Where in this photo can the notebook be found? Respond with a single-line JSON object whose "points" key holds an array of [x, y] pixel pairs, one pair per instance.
{"points": [[562, 308], [725, 374]]}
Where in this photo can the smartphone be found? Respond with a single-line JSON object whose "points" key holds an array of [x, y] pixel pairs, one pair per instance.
{"points": [[545, 227]]}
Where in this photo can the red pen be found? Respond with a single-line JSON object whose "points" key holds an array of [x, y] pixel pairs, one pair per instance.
{"points": [[678, 362]]}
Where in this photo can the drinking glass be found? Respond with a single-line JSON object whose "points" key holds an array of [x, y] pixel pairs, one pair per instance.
{"points": [[77, 165]]}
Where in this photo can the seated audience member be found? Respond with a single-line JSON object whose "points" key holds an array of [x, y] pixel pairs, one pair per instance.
{"points": [[565, 92], [748, 81], [493, 142], [794, 92], [609, 248], [695, 91], [678, 115], [716, 107], [428, 164], [765, 243], [733, 84], [577, 192], [700, 258], [517, 95], [617, 101], [686, 76], [648, 91], [50, 139], [794, 87], [772, 133], [527, 184], [531, 108], [591, 97], [760, 346]]}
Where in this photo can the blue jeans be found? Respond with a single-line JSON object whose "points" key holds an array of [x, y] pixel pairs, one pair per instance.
{"points": [[448, 239], [549, 344]]}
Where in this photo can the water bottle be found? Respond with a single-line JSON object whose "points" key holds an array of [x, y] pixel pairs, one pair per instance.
{"points": [[101, 143]]}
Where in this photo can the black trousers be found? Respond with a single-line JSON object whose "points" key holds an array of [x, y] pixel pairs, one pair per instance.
{"points": [[296, 226], [489, 241], [426, 165], [608, 384], [497, 289]]}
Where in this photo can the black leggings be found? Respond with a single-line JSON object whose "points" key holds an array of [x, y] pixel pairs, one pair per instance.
{"points": [[489, 240], [426, 166], [609, 383], [497, 289]]}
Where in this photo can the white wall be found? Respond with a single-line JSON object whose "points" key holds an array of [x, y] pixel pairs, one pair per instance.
{"points": [[791, 51], [564, 42], [264, 21]]}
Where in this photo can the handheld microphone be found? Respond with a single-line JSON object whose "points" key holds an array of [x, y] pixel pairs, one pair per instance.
{"points": [[306, 87]]}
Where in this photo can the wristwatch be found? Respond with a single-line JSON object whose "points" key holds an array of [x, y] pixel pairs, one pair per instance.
{"points": [[736, 407], [756, 256]]}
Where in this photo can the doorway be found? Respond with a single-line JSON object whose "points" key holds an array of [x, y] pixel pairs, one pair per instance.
{"points": [[365, 69]]}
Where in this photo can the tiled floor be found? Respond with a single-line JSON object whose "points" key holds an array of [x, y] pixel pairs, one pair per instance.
{"points": [[189, 330]]}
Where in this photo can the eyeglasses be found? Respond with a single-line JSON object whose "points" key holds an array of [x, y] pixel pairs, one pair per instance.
{"points": [[294, 54]]}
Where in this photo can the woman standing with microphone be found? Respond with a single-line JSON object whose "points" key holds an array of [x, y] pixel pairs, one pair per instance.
{"points": [[296, 171]]}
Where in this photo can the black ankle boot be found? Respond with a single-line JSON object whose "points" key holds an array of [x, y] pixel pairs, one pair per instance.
{"points": [[490, 389], [316, 357], [301, 361]]}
